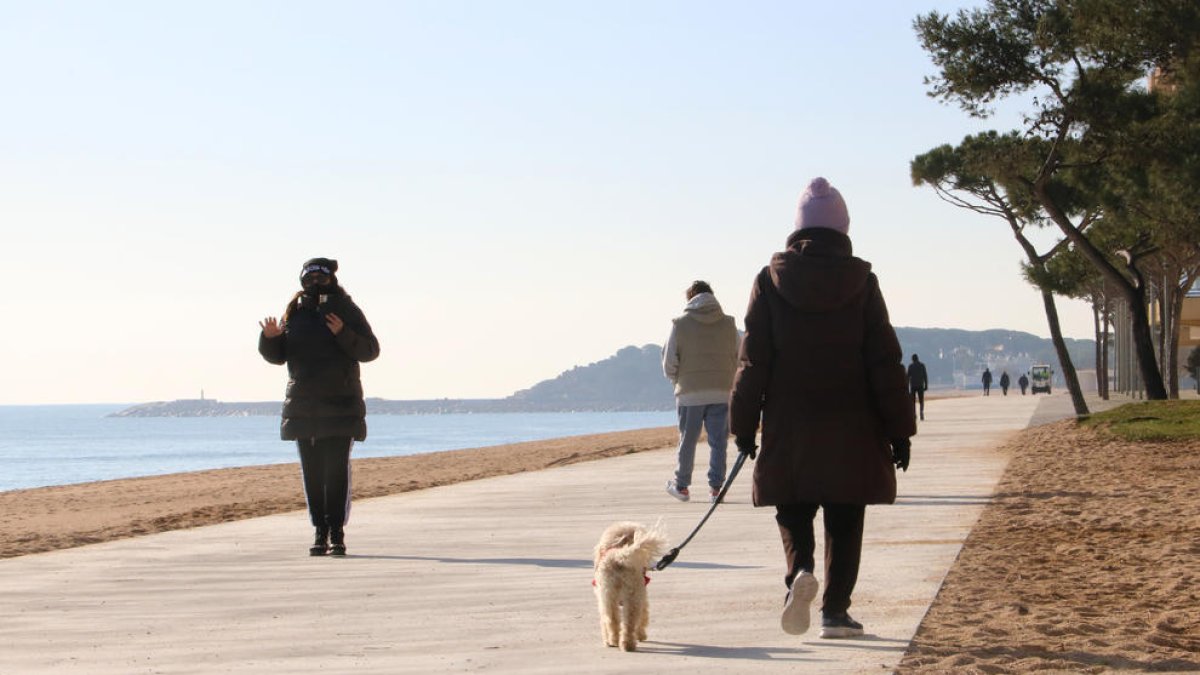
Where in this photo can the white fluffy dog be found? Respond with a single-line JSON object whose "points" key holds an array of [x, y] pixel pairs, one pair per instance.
{"points": [[623, 555]]}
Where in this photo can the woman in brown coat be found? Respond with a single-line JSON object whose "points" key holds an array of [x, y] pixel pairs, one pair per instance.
{"points": [[821, 365]]}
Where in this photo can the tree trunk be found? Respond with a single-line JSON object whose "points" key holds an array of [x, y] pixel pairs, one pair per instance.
{"points": [[1165, 300], [1099, 347], [1134, 293], [1064, 356], [1104, 349], [1176, 313], [1143, 345]]}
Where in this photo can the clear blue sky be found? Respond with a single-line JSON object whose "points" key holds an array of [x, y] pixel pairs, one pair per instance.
{"points": [[512, 188]]}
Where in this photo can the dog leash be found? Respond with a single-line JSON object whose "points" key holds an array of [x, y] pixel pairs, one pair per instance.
{"points": [[674, 553]]}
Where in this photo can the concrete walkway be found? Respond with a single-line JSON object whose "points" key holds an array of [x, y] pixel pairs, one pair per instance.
{"points": [[494, 576]]}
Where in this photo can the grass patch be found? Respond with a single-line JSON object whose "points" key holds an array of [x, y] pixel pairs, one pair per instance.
{"points": [[1150, 421]]}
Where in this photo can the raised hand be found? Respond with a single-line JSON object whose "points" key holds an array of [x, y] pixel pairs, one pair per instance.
{"points": [[270, 327]]}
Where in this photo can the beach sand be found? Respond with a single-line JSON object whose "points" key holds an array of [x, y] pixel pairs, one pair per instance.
{"points": [[1088, 559], [50, 518]]}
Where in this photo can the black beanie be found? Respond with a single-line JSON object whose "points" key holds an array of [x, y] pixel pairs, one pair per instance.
{"points": [[322, 265]]}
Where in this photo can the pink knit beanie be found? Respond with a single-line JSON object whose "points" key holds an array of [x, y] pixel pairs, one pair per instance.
{"points": [[821, 205]]}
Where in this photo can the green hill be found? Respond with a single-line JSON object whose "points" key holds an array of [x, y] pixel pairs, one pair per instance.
{"points": [[631, 379]]}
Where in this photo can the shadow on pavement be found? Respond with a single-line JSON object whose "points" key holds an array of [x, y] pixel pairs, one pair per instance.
{"points": [[538, 562], [942, 500], [714, 652]]}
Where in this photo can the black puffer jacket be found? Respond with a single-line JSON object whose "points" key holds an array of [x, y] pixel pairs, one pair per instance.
{"points": [[324, 393]]}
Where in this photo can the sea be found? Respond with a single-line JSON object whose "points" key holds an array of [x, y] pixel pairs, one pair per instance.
{"points": [[64, 444]]}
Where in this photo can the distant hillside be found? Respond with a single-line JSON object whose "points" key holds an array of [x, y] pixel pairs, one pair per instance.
{"points": [[632, 378], [956, 358]]}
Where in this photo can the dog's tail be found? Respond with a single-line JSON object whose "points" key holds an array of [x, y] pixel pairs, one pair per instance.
{"points": [[647, 544]]}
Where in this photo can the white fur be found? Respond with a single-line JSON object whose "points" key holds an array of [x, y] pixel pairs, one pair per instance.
{"points": [[625, 551]]}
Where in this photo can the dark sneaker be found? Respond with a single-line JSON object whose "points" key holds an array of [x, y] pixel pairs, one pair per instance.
{"points": [[839, 626], [320, 542], [677, 492], [796, 607]]}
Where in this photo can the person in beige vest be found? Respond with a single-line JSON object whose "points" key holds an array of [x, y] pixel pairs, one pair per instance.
{"points": [[700, 358]]}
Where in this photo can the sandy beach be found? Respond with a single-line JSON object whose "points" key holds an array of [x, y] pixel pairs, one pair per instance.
{"points": [[1085, 561], [50, 518]]}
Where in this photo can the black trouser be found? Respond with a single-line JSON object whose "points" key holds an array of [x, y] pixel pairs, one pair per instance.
{"points": [[325, 463], [843, 547], [919, 396]]}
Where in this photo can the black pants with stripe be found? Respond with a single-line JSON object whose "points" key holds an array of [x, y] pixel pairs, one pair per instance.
{"points": [[843, 547], [325, 463]]}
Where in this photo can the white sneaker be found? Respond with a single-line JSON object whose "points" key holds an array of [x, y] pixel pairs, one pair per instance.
{"points": [[796, 609], [677, 492]]}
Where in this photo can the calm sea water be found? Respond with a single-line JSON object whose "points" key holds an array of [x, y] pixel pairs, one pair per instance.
{"points": [[61, 444]]}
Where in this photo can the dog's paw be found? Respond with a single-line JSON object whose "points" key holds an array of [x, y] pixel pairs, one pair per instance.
{"points": [[629, 646], [642, 636]]}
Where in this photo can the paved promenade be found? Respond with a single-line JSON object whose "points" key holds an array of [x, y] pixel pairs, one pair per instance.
{"points": [[494, 576]]}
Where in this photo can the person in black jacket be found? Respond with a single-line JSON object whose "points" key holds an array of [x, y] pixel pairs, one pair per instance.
{"points": [[918, 382], [322, 337]]}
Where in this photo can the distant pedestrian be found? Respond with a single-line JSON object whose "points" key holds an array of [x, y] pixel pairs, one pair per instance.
{"points": [[821, 365], [1004, 382], [700, 357], [987, 381], [322, 337], [1023, 382], [918, 382]]}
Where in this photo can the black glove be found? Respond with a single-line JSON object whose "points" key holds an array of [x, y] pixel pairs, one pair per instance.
{"points": [[746, 446], [901, 451]]}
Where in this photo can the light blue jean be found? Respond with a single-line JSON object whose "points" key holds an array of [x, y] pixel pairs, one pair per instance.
{"points": [[713, 418]]}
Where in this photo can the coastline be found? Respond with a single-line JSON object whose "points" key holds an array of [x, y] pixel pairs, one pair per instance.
{"points": [[1081, 561], [56, 517], [64, 516]]}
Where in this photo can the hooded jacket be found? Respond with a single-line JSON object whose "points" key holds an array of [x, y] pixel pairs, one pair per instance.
{"points": [[700, 355], [324, 391], [821, 365]]}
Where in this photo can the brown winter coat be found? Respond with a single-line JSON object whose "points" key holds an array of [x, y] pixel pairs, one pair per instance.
{"points": [[821, 363]]}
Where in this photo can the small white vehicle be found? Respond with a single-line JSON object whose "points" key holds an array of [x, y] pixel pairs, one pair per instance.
{"points": [[1039, 379]]}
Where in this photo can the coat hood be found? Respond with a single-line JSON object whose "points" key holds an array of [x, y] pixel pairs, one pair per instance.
{"points": [[817, 272], [704, 308]]}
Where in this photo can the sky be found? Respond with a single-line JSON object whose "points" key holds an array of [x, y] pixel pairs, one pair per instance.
{"points": [[511, 188]]}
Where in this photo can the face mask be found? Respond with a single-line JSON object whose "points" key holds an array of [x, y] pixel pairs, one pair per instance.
{"points": [[315, 284]]}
